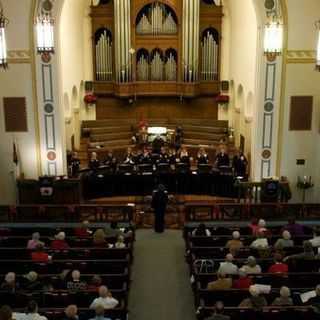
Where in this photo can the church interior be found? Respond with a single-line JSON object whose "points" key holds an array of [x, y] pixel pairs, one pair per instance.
{"points": [[158, 159]]}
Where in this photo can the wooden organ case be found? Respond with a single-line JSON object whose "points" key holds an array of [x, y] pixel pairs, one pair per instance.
{"points": [[156, 48]]}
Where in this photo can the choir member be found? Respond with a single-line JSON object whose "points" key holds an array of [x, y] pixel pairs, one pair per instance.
{"points": [[240, 164], [222, 159], [202, 156], [157, 144], [172, 156], [178, 137], [129, 157], [75, 164], [184, 156], [111, 160], [145, 157], [164, 157], [94, 163]]}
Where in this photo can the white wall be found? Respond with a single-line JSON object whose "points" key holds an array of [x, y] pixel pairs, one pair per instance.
{"points": [[17, 82]]}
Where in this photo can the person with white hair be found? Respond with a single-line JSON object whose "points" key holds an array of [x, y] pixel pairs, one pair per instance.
{"points": [[94, 163], [105, 299], [315, 301], [76, 284], [261, 242], [10, 284], [251, 267], [120, 244], [34, 241], [235, 244], [99, 313], [255, 301], [60, 242], [31, 313], [285, 241], [284, 299], [228, 267], [315, 241]]}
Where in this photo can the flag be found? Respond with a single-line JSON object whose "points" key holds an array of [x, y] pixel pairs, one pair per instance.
{"points": [[15, 154]]}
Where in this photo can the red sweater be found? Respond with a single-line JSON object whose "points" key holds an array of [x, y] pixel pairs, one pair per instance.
{"points": [[39, 257], [242, 283], [278, 268], [59, 245]]}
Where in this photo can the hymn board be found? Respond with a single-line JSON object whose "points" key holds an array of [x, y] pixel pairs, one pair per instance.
{"points": [[167, 47]]}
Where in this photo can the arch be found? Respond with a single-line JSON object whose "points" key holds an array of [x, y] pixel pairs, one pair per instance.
{"points": [[239, 101], [100, 32], [211, 31], [173, 52], [142, 52]]}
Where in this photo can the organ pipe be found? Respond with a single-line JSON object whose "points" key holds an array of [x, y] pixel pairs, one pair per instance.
{"points": [[122, 40], [104, 58], [191, 17], [210, 58], [157, 68], [171, 69]]}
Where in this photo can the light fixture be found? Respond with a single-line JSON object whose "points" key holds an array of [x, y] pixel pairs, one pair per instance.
{"points": [[318, 46], [3, 45], [45, 28], [273, 37]]}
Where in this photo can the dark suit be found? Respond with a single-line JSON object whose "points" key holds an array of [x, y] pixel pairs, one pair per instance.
{"points": [[159, 204]]}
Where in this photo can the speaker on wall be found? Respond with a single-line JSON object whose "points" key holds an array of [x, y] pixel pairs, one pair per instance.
{"points": [[88, 86], [224, 85]]}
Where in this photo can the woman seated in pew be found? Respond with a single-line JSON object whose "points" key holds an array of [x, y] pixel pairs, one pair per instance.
{"points": [[75, 283], [32, 244], [202, 156], [222, 283], [201, 231], [39, 255], [10, 283], [284, 299], [235, 244], [99, 239], [256, 301], [31, 313], [261, 243], [251, 266], [120, 244], [60, 242], [30, 281], [284, 242], [95, 283], [278, 266], [228, 267], [83, 231], [307, 254], [105, 299]]}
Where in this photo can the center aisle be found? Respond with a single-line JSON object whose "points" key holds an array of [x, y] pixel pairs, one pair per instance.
{"points": [[160, 288]]}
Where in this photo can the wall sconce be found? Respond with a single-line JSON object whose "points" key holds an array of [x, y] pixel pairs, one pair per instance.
{"points": [[3, 45], [45, 28], [273, 37]]}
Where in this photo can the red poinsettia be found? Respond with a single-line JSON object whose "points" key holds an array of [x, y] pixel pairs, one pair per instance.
{"points": [[90, 98], [222, 98]]}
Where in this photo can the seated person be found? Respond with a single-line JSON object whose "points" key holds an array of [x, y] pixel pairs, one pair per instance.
{"points": [[10, 284], [235, 244], [95, 283], [145, 157], [295, 229], [261, 242], [315, 241], [201, 230], [75, 284], [30, 281], [113, 230], [278, 266], [222, 283], [284, 242], [284, 299], [99, 313], [228, 267], [120, 244], [60, 242], [105, 299], [94, 163], [315, 301], [71, 312], [184, 156], [202, 157], [307, 254], [244, 282], [164, 157], [111, 160], [99, 239], [31, 313], [32, 244], [83, 231], [129, 157], [40, 255], [75, 164], [218, 313], [251, 266], [222, 159], [240, 164], [255, 301]]}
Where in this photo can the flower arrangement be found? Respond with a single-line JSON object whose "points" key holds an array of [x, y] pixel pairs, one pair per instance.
{"points": [[90, 98]]}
